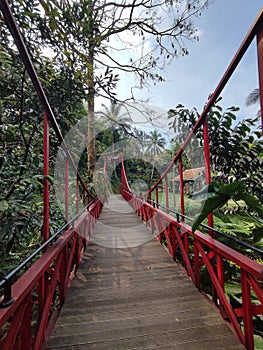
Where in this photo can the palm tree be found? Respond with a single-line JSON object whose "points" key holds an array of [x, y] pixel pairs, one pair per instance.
{"points": [[116, 120], [156, 143], [253, 98]]}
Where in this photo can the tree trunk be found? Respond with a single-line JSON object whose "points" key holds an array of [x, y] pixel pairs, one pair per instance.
{"points": [[153, 165], [91, 150], [91, 138]]}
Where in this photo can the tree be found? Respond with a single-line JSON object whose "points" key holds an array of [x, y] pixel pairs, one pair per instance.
{"points": [[254, 98], [21, 153], [182, 120], [235, 194], [98, 39], [235, 150], [117, 120], [156, 143]]}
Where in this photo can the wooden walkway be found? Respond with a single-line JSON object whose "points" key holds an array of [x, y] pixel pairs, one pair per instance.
{"points": [[129, 296]]}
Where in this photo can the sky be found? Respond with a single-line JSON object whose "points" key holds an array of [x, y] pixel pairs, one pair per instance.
{"points": [[190, 79]]}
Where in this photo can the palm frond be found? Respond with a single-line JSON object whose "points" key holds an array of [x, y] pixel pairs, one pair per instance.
{"points": [[253, 97]]}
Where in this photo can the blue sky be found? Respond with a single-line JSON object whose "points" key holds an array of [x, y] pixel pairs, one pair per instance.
{"points": [[190, 79]]}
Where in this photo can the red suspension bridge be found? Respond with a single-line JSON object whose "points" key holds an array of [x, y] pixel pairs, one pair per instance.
{"points": [[129, 293]]}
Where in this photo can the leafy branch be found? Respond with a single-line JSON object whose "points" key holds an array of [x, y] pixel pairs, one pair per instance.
{"points": [[219, 194]]}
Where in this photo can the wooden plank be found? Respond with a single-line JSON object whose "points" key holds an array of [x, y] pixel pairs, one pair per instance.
{"points": [[136, 297]]}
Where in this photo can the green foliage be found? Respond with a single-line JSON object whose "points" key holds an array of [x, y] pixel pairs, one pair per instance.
{"points": [[21, 137], [219, 194], [254, 98], [239, 225], [80, 31], [78, 34], [236, 150], [182, 120], [235, 195], [156, 143], [100, 184], [138, 169]]}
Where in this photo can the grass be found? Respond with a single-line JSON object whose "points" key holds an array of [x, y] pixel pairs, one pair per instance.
{"points": [[192, 207], [258, 342]]}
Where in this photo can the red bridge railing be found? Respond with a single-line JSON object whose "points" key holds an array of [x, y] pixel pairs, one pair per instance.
{"points": [[256, 31], [30, 309], [29, 305], [198, 251]]}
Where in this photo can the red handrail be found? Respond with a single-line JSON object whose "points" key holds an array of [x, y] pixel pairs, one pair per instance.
{"points": [[182, 244], [40, 292], [208, 252], [30, 306], [256, 30]]}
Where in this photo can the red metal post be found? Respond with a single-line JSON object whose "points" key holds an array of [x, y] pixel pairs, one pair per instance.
{"points": [[220, 275], [42, 290], [260, 65], [197, 265], [166, 193], [84, 197], [149, 196], [220, 271], [173, 184], [46, 181], [77, 196], [26, 325], [208, 181], [207, 167], [247, 312], [181, 185], [66, 189]]}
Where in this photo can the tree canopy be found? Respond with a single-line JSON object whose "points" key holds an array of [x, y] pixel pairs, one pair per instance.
{"points": [[235, 147], [96, 40], [78, 49]]}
